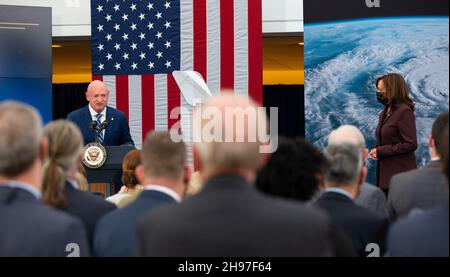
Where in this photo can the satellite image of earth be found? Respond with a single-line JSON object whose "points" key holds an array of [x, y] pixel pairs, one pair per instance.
{"points": [[343, 60]]}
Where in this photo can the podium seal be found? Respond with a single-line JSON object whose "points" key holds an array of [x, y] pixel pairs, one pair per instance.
{"points": [[94, 155]]}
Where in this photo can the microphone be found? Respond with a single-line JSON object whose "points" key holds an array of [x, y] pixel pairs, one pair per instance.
{"points": [[103, 126], [93, 125]]}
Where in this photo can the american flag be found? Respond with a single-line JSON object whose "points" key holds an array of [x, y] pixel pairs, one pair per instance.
{"points": [[136, 45]]}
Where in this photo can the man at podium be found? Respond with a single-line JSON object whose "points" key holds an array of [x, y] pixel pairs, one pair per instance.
{"points": [[97, 119]]}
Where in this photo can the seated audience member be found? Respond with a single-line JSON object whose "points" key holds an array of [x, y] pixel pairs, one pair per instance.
{"points": [[28, 227], [345, 175], [294, 171], [369, 196], [130, 184], [424, 235], [59, 189], [421, 189], [163, 176], [229, 217]]}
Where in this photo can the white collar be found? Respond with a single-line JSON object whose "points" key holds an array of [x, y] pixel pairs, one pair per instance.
{"points": [[73, 183], [164, 190], [94, 113], [24, 186]]}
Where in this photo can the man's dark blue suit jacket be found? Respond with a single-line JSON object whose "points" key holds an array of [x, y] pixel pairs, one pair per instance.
{"points": [[117, 131]]}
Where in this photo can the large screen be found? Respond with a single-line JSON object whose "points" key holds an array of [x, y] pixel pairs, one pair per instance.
{"points": [[25, 56]]}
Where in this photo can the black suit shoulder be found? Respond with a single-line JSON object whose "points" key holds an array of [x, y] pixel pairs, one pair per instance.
{"points": [[87, 207], [424, 235], [361, 225], [235, 221], [349, 209], [34, 229]]}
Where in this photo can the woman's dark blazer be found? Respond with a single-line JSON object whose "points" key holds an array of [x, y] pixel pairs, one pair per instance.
{"points": [[396, 143]]}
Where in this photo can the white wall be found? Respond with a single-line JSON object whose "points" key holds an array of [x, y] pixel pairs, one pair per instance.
{"points": [[72, 17], [282, 16], [69, 17]]}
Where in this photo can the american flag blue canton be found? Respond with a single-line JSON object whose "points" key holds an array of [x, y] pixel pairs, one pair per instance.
{"points": [[135, 37]]}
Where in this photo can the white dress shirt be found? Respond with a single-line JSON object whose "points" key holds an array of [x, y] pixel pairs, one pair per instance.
{"points": [[164, 190], [24, 186], [340, 191], [94, 116]]}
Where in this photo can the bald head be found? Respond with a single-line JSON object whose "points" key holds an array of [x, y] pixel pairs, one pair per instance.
{"points": [[97, 94], [347, 134], [227, 132]]}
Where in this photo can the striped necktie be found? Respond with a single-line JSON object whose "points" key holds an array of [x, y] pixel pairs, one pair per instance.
{"points": [[99, 125]]}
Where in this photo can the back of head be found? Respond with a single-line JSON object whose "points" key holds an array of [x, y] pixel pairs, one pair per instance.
{"points": [[397, 91], [131, 160], [345, 163], [20, 129], [292, 170], [347, 134], [437, 131], [227, 132], [162, 157], [65, 147]]}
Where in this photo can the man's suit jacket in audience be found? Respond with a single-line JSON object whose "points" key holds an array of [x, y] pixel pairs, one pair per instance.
{"points": [[87, 207], [230, 218], [372, 198], [115, 234], [417, 190], [361, 225], [31, 229], [424, 235]]}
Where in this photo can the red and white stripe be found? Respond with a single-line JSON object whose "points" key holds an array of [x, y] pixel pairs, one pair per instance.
{"points": [[217, 43]]}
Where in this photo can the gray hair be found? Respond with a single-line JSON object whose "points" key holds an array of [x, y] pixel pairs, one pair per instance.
{"points": [[345, 165], [20, 129]]}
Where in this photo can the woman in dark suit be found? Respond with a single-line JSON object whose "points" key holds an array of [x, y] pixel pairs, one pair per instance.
{"points": [[396, 130]]}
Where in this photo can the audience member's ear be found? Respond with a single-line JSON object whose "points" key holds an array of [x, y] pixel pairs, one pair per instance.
{"points": [[430, 141], [80, 158], [365, 154], [187, 175], [43, 149], [265, 157], [320, 180], [186, 178], [362, 176], [197, 158], [139, 172]]}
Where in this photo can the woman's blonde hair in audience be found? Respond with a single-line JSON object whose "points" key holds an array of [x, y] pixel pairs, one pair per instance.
{"points": [[65, 148]]}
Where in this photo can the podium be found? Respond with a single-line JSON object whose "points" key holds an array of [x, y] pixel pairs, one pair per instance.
{"points": [[111, 171]]}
